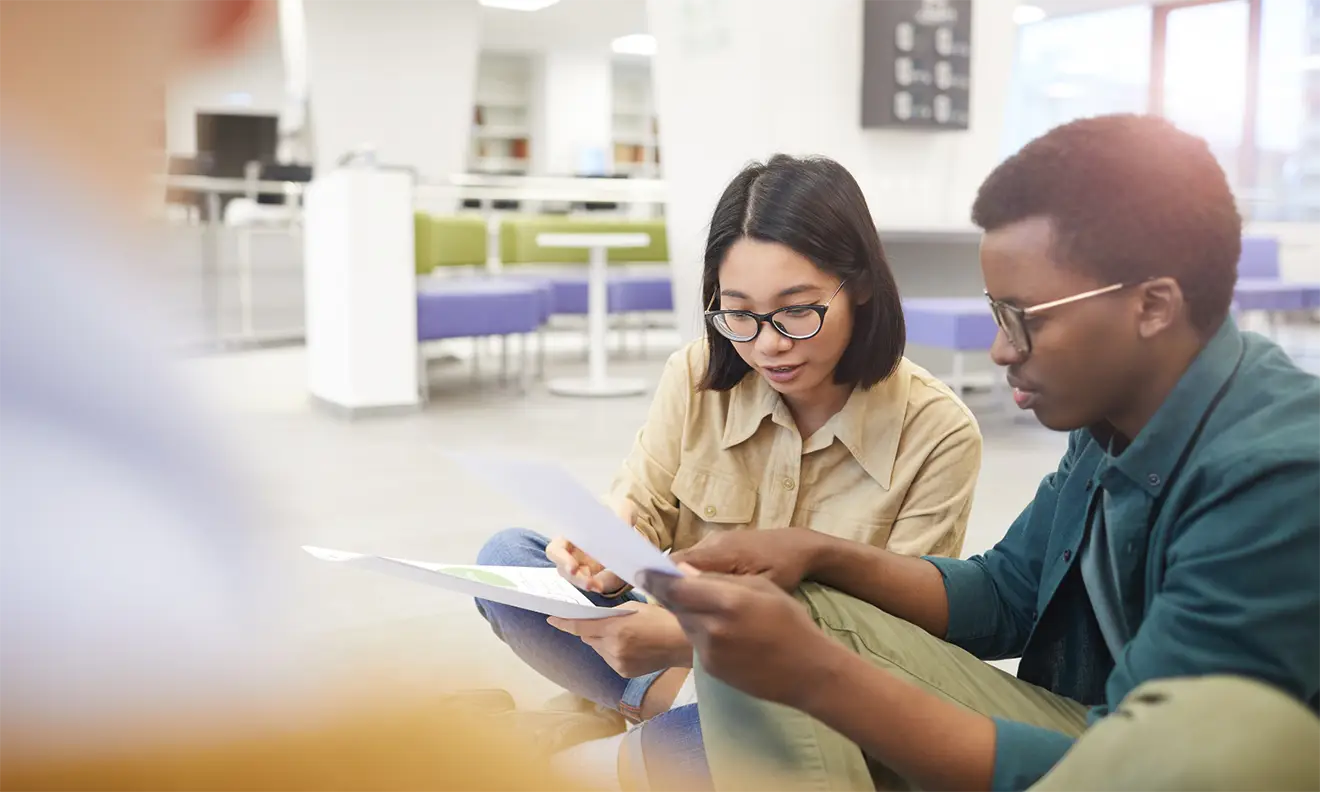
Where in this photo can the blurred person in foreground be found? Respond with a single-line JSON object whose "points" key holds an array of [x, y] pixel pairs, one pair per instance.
{"points": [[1162, 589], [132, 650], [135, 647], [128, 557]]}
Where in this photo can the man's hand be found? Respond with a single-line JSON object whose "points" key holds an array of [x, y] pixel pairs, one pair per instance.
{"points": [[650, 639], [748, 632], [582, 570], [783, 555]]}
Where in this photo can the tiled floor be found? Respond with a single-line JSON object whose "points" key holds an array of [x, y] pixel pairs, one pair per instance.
{"points": [[386, 485]]}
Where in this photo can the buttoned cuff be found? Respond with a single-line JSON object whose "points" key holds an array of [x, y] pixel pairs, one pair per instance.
{"points": [[972, 599], [1024, 753]]}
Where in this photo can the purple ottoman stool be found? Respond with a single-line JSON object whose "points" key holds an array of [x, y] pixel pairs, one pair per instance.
{"points": [[959, 324], [479, 307]]}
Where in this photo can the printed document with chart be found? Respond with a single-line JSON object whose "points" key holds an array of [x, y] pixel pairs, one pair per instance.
{"points": [[547, 492], [539, 589]]}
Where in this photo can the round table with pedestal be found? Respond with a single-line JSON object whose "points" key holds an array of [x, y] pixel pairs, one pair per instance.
{"points": [[598, 382]]}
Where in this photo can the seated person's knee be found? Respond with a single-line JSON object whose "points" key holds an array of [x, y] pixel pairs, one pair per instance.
{"points": [[1212, 732], [514, 547]]}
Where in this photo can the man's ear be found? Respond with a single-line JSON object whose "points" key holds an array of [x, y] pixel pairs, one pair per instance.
{"points": [[1161, 305]]}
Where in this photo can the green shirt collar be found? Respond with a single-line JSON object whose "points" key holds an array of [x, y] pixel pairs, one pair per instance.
{"points": [[1153, 455]]}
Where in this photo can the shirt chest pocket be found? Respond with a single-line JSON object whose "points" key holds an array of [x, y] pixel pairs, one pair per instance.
{"points": [[855, 525], [709, 501]]}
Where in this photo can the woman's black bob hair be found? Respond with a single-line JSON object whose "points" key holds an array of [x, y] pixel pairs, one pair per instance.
{"points": [[813, 206]]}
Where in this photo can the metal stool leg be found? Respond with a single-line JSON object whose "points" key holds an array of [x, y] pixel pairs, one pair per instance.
{"points": [[423, 376], [1000, 395], [540, 351], [524, 363], [504, 359]]}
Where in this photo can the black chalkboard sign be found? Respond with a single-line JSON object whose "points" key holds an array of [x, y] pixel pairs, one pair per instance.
{"points": [[916, 62]]}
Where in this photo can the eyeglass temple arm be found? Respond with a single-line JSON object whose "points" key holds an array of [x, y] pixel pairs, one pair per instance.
{"points": [[1075, 298]]}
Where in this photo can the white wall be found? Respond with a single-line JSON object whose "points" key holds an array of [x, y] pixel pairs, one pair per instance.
{"points": [[582, 25], [256, 75], [398, 74], [577, 110], [741, 79]]}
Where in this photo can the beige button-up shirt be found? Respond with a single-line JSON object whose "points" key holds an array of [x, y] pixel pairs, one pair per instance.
{"points": [[895, 468]]}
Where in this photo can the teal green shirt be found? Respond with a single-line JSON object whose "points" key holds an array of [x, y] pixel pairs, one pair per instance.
{"points": [[1213, 516], [1102, 570]]}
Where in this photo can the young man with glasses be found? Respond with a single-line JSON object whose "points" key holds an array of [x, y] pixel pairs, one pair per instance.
{"points": [[1162, 589]]}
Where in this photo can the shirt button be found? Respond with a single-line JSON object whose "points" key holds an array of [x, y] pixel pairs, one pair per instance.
{"points": [[710, 511], [1153, 479], [1089, 485], [789, 484], [1067, 555]]}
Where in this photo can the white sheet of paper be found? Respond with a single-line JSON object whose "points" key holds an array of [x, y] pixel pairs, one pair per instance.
{"points": [[539, 589], [546, 490]]}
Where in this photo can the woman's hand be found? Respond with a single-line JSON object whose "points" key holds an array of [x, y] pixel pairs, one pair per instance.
{"points": [[582, 570], [783, 555], [649, 639]]}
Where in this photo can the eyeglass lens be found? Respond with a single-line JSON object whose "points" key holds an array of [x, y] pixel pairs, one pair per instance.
{"points": [[1013, 325], [798, 323]]}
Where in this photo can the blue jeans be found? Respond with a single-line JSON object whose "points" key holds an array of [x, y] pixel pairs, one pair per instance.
{"points": [[671, 741]]}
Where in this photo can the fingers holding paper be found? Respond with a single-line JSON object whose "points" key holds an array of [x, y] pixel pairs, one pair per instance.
{"points": [[648, 640], [746, 630], [580, 569]]}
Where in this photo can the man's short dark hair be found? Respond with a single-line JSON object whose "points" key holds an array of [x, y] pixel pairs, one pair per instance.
{"points": [[1129, 197], [814, 207]]}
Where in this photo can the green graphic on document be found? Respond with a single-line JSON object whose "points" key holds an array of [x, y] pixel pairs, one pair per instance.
{"points": [[480, 576]]}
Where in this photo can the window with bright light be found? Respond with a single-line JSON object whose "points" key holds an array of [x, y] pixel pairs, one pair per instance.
{"points": [[1077, 66], [1287, 154], [1205, 77], [1266, 136]]}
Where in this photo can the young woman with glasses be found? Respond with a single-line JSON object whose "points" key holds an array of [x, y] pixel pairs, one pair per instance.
{"points": [[797, 409]]}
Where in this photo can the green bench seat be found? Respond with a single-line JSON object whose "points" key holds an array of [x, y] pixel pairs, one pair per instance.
{"points": [[441, 241]]}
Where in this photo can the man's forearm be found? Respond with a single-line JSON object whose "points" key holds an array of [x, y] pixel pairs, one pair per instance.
{"points": [[910, 588], [920, 736]]}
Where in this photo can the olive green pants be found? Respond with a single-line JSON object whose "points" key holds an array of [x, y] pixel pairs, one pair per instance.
{"points": [[1209, 733]]}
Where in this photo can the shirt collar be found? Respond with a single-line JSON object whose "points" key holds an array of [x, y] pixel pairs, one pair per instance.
{"points": [[869, 425], [1150, 459]]}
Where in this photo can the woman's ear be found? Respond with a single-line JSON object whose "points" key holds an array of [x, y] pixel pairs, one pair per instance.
{"points": [[861, 293]]}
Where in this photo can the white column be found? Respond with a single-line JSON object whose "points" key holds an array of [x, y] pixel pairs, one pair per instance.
{"points": [[294, 144], [361, 291], [396, 74], [738, 80], [574, 113]]}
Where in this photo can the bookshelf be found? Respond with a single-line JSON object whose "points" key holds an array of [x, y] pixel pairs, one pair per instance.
{"points": [[500, 142], [635, 128]]}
